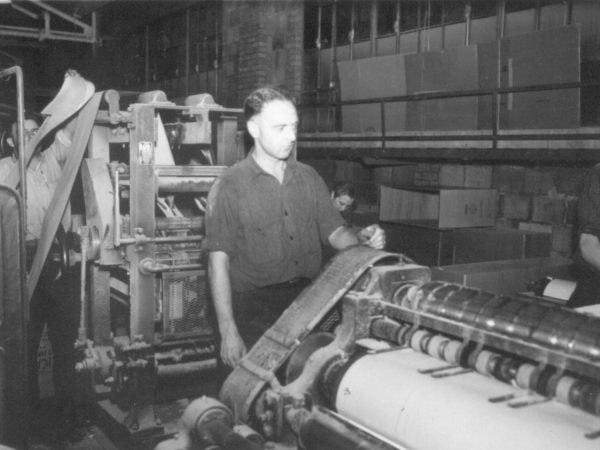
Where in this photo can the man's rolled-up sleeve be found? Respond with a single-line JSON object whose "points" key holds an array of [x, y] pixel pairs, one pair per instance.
{"points": [[221, 218]]}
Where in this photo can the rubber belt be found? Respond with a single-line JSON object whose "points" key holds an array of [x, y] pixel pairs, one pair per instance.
{"points": [[57, 111], [258, 366], [56, 209]]}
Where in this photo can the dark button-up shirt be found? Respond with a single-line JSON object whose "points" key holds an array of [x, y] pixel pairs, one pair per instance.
{"points": [[587, 291], [271, 231], [588, 204]]}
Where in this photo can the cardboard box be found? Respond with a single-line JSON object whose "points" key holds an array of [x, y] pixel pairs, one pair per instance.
{"points": [[426, 175], [454, 69], [493, 244], [551, 210], [452, 175], [478, 176], [506, 277], [426, 246], [542, 57], [563, 240], [386, 170], [468, 176], [437, 207], [515, 206], [366, 78]]}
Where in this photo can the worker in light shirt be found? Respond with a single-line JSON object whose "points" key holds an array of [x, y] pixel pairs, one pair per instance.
{"points": [[55, 301], [43, 173]]}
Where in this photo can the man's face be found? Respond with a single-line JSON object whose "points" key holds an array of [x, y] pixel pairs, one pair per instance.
{"points": [[274, 129], [30, 128], [343, 202]]}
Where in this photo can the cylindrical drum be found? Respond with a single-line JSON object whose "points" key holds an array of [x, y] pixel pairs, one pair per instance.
{"points": [[385, 393]]}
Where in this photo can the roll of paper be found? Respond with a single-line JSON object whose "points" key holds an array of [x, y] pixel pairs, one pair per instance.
{"points": [[559, 289], [386, 393]]}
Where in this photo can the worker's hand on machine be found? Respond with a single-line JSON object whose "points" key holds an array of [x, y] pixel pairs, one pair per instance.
{"points": [[232, 349], [372, 236]]}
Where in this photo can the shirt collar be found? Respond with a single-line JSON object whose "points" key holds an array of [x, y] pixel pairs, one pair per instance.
{"points": [[290, 168]]}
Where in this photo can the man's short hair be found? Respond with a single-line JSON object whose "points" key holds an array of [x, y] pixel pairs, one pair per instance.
{"points": [[26, 116], [258, 98], [344, 188]]}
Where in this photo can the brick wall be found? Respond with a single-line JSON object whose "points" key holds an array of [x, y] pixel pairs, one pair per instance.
{"points": [[263, 43]]}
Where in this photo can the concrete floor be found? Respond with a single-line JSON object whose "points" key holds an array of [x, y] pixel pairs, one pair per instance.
{"points": [[99, 425], [56, 427]]}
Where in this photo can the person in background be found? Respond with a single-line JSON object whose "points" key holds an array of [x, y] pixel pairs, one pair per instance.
{"points": [[587, 256], [55, 301], [43, 172], [266, 219], [343, 196]]}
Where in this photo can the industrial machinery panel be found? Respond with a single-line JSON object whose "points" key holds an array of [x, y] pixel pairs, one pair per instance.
{"points": [[411, 364]]}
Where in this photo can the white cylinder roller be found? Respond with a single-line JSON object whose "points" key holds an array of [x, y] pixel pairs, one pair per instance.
{"points": [[386, 393]]}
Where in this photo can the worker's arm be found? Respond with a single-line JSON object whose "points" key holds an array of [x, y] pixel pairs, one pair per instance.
{"points": [[589, 245], [343, 237], [61, 146], [232, 345]]}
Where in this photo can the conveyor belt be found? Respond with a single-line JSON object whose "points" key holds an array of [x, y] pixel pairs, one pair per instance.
{"points": [[258, 367]]}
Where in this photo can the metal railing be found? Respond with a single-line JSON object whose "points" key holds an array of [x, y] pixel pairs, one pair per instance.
{"points": [[493, 135]]}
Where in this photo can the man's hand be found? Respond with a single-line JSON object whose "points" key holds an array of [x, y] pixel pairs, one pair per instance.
{"points": [[232, 349], [372, 236]]}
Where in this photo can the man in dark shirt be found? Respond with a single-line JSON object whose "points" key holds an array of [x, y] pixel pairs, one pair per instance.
{"points": [[587, 258], [265, 221]]}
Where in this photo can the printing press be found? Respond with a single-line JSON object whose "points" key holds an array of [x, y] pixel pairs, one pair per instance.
{"points": [[376, 355], [150, 338]]}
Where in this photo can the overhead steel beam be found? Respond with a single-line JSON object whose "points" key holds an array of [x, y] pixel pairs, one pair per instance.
{"points": [[87, 34], [25, 11], [63, 15]]}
